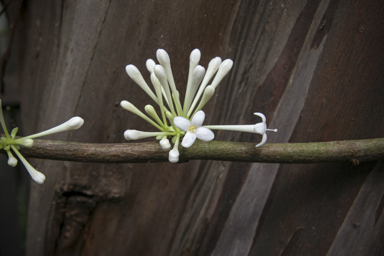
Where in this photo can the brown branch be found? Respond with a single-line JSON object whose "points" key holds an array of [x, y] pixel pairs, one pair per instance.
{"points": [[354, 151]]}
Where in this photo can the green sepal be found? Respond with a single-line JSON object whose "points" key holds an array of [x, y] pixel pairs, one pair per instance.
{"points": [[14, 131]]}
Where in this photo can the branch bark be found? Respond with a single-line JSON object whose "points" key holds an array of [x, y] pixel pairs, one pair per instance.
{"points": [[353, 151]]}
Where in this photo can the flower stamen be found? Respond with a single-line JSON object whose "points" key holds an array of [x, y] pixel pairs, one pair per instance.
{"points": [[192, 128]]}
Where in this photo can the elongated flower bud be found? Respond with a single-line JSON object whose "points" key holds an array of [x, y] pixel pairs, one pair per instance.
{"points": [[134, 73], [160, 92], [130, 107], [208, 93], [224, 68], [196, 77], [162, 77], [137, 135], [213, 66], [163, 57], [132, 135], [152, 112], [164, 60], [150, 64], [12, 161], [195, 56], [72, 124], [37, 176]]}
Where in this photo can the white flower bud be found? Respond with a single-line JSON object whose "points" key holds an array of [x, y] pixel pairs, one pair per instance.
{"points": [[164, 143], [134, 73], [173, 156], [224, 68], [137, 135], [150, 64], [198, 75], [25, 142], [12, 161], [132, 135], [127, 105], [38, 177], [214, 65], [150, 110], [163, 57], [72, 124], [160, 74], [195, 56]]}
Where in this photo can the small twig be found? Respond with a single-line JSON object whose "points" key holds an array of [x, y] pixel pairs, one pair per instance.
{"points": [[353, 151]]}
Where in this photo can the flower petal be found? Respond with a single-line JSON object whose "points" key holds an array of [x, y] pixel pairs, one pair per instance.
{"points": [[204, 134], [182, 123], [198, 118], [188, 139], [263, 140]]}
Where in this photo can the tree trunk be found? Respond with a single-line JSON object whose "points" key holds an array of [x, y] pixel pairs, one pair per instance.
{"points": [[314, 68]]}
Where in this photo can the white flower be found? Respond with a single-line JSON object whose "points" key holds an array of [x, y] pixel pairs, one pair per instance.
{"points": [[193, 129], [260, 128]]}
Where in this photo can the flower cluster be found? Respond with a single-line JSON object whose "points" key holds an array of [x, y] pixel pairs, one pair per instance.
{"points": [[177, 120], [167, 97], [9, 142]]}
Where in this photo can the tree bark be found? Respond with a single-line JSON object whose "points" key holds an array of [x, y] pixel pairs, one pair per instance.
{"points": [[314, 68]]}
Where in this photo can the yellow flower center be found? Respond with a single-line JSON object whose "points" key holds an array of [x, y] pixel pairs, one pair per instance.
{"points": [[192, 128]]}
